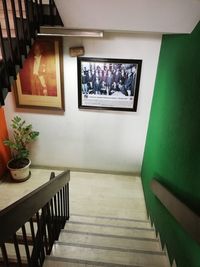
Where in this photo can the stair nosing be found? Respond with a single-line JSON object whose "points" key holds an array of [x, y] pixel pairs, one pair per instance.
{"points": [[113, 236], [95, 263], [109, 225], [158, 253], [111, 218]]}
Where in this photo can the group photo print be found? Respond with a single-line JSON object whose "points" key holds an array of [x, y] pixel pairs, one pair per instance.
{"points": [[108, 83]]}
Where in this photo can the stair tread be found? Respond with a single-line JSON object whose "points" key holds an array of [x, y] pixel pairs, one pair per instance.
{"points": [[112, 230], [11, 251], [4, 32], [2, 16], [28, 229], [3, 24], [110, 221], [132, 227], [53, 262], [49, 262], [9, 6], [109, 241], [10, 14], [99, 255]]}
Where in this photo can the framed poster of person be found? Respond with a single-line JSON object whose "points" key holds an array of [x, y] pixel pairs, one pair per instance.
{"points": [[39, 84], [111, 84]]}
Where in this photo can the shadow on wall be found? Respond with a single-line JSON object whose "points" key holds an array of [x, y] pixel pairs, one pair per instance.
{"points": [[4, 151]]}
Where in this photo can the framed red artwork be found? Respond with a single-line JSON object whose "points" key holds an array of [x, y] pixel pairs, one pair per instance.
{"points": [[39, 84]]}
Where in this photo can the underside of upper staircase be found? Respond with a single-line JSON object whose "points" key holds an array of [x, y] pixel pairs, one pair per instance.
{"points": [[20, 22]]}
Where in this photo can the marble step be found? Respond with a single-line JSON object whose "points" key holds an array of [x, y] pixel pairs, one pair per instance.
{"points": [[108, 241], [28, 230], [110, 221], [5, 35], [110, 230], [11, 14], [105, 257], [9, 6], [2, 16], [12, 254], [3, 23], [53, 263]]}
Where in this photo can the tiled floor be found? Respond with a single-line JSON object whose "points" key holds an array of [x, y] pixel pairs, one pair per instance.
{"points": [[107, 195], [11, 191]]}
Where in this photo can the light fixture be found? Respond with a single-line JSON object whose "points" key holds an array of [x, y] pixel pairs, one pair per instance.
{"points": [[60, 31]]}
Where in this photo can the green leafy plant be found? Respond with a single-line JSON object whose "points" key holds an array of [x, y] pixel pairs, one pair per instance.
{"points": [[23, 134]]}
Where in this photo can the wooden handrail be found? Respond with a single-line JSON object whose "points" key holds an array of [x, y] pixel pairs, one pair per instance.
{"points": [[185, 216], [14, 216]]}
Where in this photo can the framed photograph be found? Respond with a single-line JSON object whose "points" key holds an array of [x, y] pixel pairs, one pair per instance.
{"points": [[111, 84], [39, 84]]}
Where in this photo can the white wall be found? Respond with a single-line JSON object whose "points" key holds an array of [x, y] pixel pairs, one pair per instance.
{"points": [[104, 140]]}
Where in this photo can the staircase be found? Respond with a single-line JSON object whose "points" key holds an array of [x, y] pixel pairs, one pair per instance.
{"points": [[20, 21], [103, 240], [31, 220], [108, 225]]}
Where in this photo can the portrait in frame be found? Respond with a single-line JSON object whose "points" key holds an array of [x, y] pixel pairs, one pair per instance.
{"points": [[39, 84]]}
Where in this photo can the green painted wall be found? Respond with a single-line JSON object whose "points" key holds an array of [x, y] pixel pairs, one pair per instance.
{"points": [[172, 151]]}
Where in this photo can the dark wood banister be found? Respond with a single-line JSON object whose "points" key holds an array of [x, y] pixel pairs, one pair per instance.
{"points": [[186, 217], [15, 215]]}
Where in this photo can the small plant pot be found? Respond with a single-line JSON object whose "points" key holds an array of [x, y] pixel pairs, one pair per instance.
{"points": [[19, 169]]}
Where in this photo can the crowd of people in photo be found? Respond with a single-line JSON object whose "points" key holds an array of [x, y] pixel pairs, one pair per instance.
{"points": [[108, 78]]}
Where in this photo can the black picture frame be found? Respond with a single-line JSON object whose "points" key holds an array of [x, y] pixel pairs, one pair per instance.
{"points": [[108, 84]]}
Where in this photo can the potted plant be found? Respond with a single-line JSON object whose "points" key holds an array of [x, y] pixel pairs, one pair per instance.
{"points": [[23, 135]]}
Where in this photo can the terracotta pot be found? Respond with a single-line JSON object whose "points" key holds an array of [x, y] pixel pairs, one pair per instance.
{"points": [[19, 174]]}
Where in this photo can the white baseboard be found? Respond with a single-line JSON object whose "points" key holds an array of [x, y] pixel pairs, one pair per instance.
{"points": [[86, 170]]}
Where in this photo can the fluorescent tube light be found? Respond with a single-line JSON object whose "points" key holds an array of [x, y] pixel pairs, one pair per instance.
{"points": [[60, 31]]}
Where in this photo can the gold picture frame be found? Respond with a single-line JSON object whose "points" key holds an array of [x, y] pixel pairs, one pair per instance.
{"points": [[39, 84]]}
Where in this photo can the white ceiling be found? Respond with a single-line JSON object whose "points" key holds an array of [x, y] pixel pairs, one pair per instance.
{"points": [[163, 16]]}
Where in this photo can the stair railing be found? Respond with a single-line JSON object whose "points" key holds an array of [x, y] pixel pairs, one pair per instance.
{"points": [[183, 214], [10, 43], [34, 222], [20, 22], [4, 72], [19, 52]]}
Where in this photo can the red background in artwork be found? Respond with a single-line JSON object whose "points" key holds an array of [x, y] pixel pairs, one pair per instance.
{"points": [[4, 151], [47, 47]]}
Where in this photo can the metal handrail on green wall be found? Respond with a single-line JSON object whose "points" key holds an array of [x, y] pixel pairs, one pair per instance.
{"points": [[185, 216]]}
